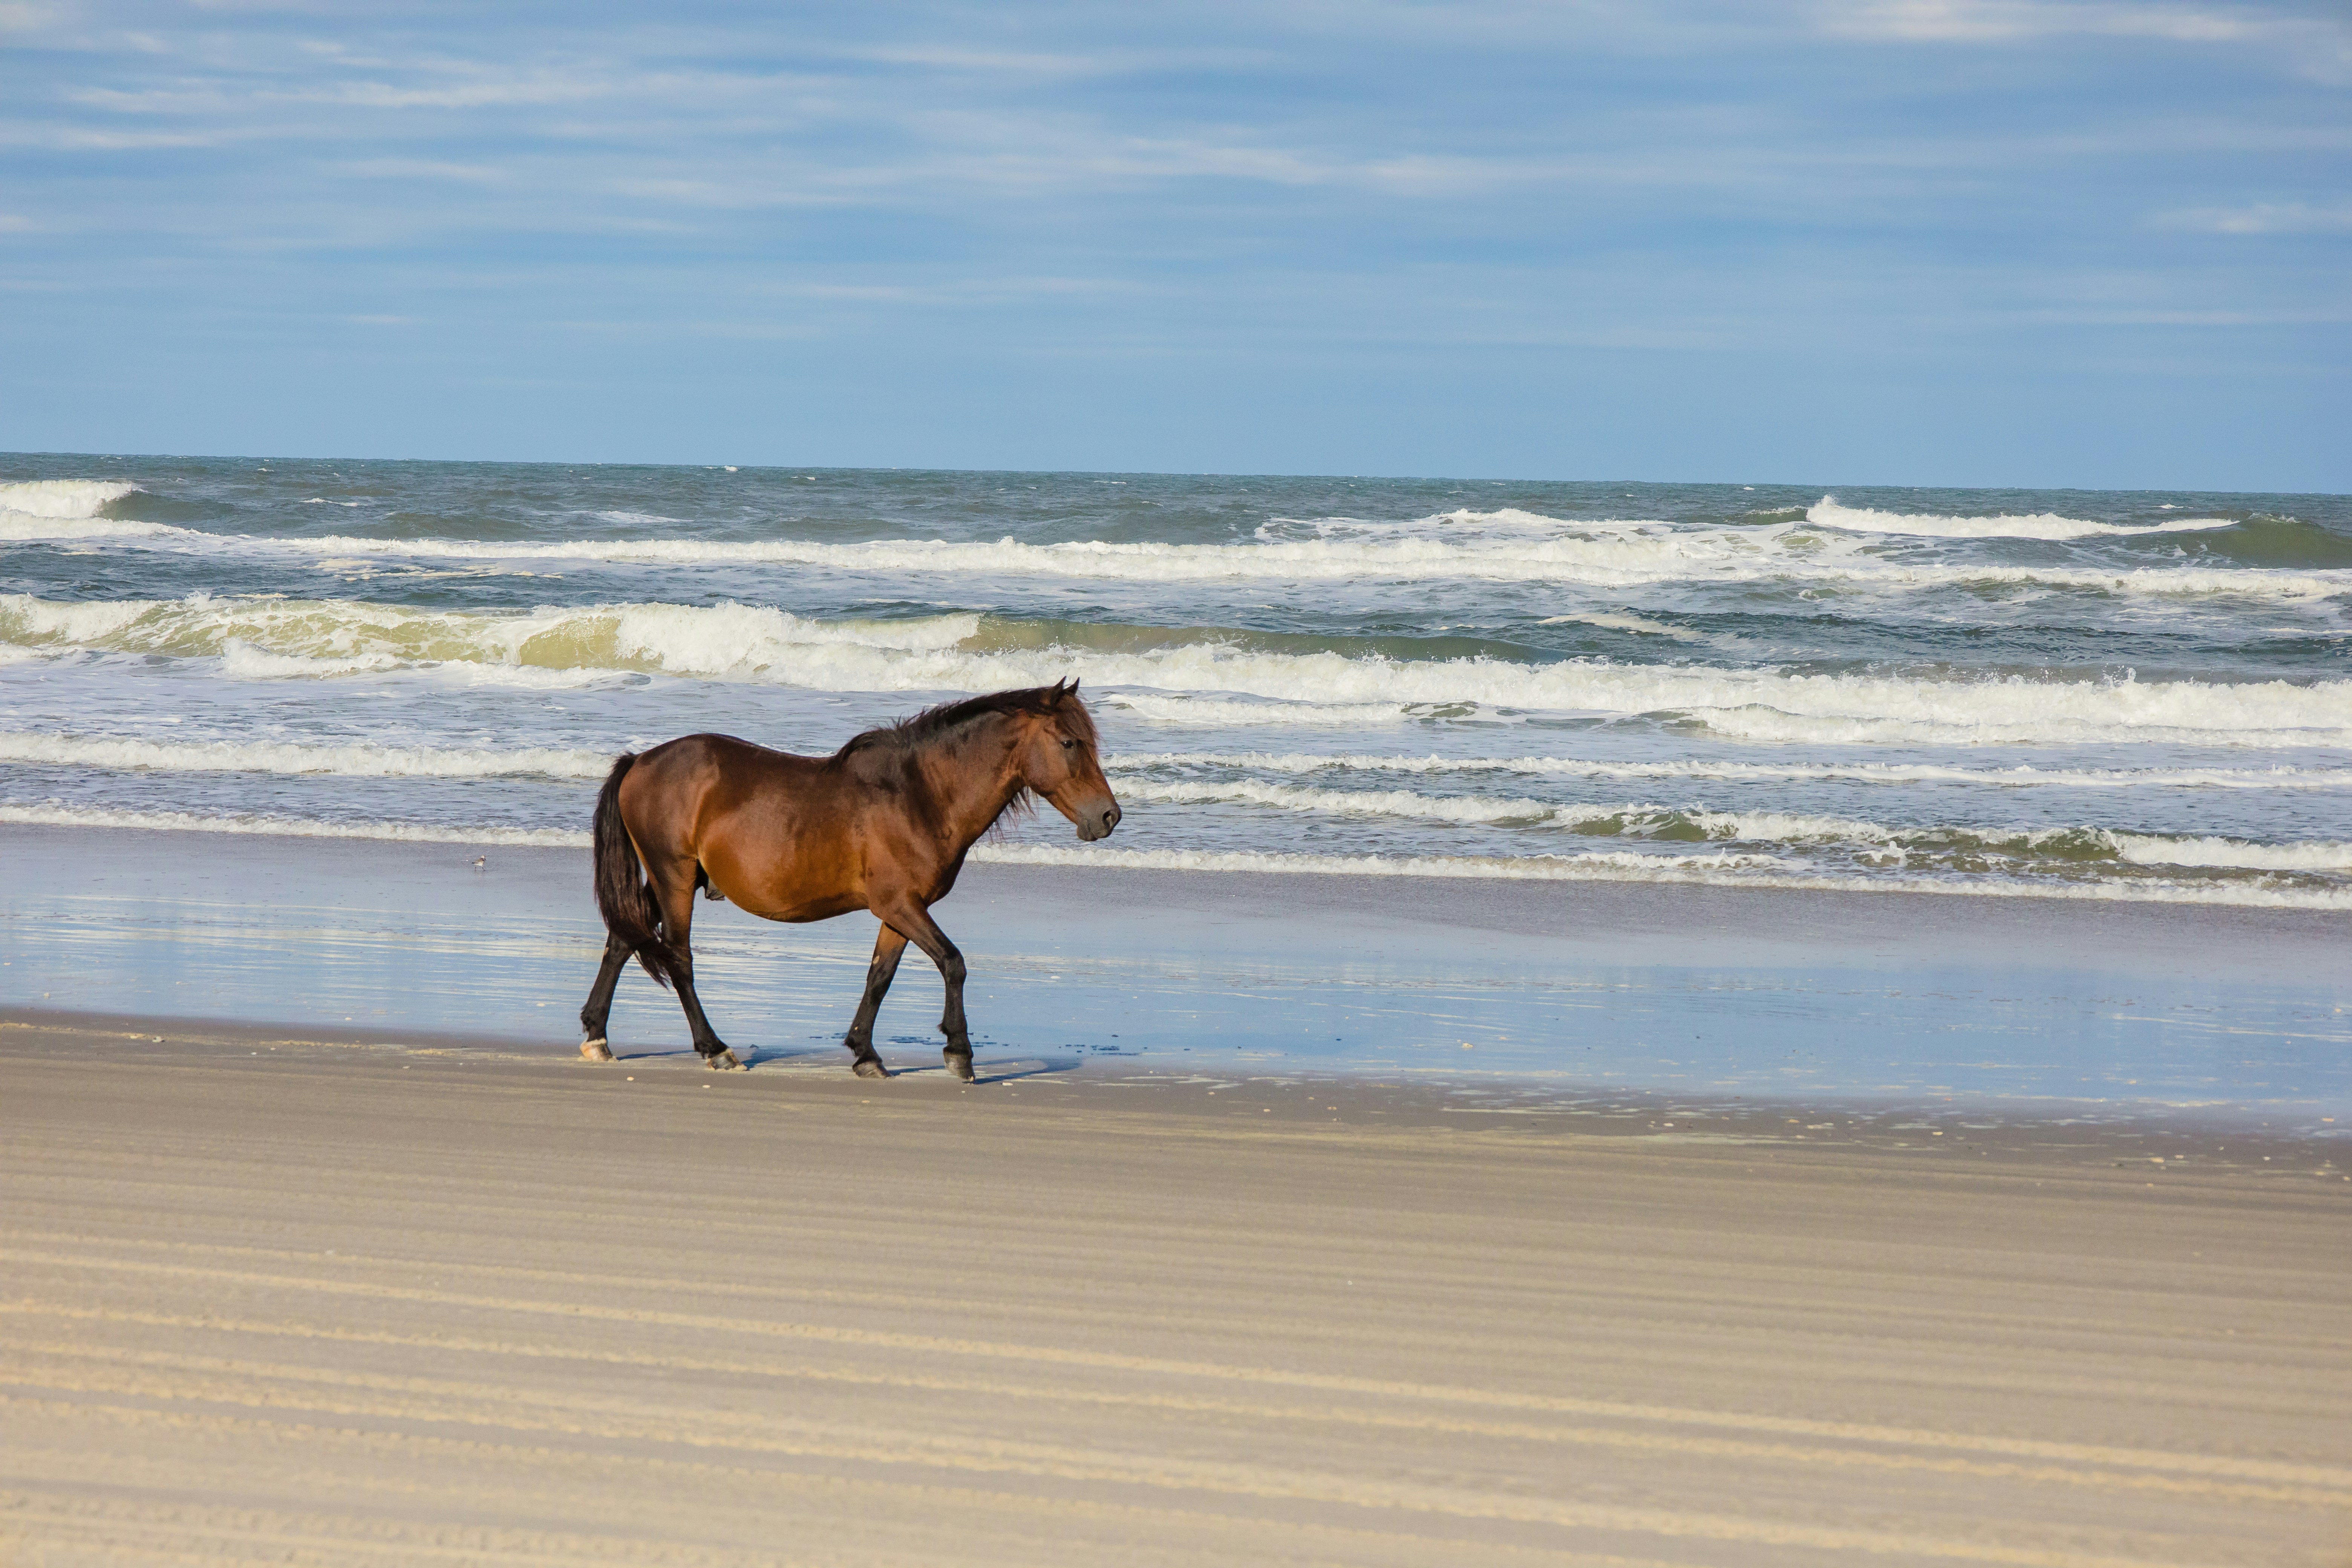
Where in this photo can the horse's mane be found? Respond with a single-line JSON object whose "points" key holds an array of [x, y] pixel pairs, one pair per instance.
{"points": [[933, 724]]}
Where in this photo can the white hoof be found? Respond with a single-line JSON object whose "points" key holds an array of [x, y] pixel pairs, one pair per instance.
{"points": [[596, 1050]]}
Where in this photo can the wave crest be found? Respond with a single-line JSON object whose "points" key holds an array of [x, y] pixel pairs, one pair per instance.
{"points": [[1827, 514], [1714, 870], [70, 509], [1203, 677], [353, 760], [63, 497]]}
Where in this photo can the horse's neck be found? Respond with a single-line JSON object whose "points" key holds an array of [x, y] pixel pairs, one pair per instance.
{"points": [[974, 783]]}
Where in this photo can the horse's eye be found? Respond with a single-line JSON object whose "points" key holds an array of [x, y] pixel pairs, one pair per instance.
{"points": [[1068, 745]]}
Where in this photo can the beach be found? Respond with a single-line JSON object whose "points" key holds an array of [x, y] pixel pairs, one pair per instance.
{"points": [[274, 1297], [1171, 1283]]}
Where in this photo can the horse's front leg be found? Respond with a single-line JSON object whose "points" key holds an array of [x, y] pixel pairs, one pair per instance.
{"points": [[888, 945], [915, 922]]}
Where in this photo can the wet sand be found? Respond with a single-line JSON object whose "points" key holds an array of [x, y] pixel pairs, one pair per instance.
{"points": [[280, 1296], [1720, 994]]}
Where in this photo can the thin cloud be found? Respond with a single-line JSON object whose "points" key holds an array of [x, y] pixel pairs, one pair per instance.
{"points": [[531, 93], [417, 169], [2263, 217], [2003, 21], [2013, 21]]}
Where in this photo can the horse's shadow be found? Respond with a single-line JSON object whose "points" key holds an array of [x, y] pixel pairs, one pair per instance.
{"points": [[984, 1072], [1003, 1071], [1013, 1071]]}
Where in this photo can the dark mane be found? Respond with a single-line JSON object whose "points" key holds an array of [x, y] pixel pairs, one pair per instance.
{"points": [[934, 723]]}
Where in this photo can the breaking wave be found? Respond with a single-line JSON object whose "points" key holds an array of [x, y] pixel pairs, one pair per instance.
{"points": [[71, 509], [2278, 777], [267, 638], [1713, 870], [63, 497], [1831, 545], [1947, 848], [378, 760], [1827, 514], [1625, 555], [296, 758], [52, 814]]}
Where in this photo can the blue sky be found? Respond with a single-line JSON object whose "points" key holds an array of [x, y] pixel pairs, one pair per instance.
{"points": [[2029, 242]]}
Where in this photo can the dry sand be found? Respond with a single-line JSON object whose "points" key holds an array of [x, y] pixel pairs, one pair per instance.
{"points": [[279, 1300]]}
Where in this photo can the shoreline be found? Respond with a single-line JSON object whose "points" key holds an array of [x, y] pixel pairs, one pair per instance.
{"points": [[1593, 868], [2170, 1141]]}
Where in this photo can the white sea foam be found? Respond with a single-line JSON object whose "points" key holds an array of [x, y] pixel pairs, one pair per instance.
{"points": [[52, 814], [739, 642], [2172, 717], [1827, 514], [19, 527], [1714, 869], [2230, 854], [1641, 819], [1464, 525], [1769, 704], [269, 638], [1617, 623], [1603, 555], [2278, 777], [1472, 808], [360, 760], [1633, 819], [1212, 713], [245, 661], [295, 757]]}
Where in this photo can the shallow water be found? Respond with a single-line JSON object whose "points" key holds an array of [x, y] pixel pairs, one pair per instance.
{"points": [[2104, 696], [1525, 995]]}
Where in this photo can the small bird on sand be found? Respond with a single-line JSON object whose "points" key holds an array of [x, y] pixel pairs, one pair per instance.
{"points": [[481, 862]]}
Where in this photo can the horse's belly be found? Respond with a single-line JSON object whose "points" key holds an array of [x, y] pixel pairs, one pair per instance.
{"points": [[808, 909]]}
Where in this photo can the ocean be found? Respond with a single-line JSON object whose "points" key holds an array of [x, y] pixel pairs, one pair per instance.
{"points": [[2127, 695]]}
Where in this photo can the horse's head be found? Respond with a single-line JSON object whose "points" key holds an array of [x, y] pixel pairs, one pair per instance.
{"points": [[1058, 762]]}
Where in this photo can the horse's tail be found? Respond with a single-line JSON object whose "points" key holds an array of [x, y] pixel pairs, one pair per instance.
{"points": [[622, 895]]}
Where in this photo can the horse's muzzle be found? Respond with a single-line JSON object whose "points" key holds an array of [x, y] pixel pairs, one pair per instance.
{"points": [[1095, 823]]}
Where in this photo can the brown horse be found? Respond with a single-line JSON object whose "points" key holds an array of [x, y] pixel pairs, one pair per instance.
{"points": [[882, 825]]}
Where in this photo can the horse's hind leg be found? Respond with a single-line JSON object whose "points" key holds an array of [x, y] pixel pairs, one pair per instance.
{"points": [[887, 945], [598, 1009], [677, 899]]}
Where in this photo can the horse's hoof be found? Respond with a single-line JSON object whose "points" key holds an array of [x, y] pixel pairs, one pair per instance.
{"points": [[869, 1067], [723, 1062], [597, 1050], [959, 1063]]}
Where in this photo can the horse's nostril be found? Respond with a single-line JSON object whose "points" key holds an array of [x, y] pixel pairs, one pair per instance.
{"points": [[1110, 819]]}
